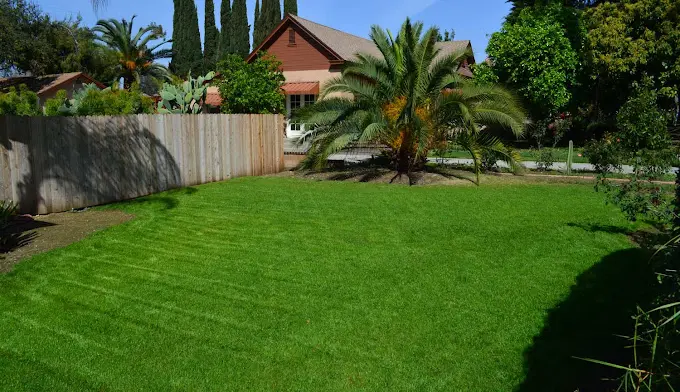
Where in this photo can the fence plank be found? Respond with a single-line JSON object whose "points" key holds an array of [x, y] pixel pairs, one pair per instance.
{"points": [[53, 164]]}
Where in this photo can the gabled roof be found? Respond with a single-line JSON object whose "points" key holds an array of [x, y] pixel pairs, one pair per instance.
{"points": [[43, 84], [344, 46]]}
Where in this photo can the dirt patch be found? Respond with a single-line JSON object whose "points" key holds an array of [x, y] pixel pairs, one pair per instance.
{"points": [[31, 235]]}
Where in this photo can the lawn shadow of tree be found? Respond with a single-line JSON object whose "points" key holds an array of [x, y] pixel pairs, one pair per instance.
{"points": [[589, 323], [165, 201]]}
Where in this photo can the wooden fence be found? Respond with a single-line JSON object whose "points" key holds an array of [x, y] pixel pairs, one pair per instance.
{"points": [[53, 164]]}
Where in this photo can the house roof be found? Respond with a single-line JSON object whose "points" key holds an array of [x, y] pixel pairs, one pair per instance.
{"points": [[44, 84], [213, 98], [301, 88], [345, 46]]}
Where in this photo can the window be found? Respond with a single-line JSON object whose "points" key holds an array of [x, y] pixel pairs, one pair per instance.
{"points": [[291, 37], [295, 102]]}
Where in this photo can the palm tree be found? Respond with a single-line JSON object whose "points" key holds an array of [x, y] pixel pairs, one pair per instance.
{"points": [[410, 100], [135, 56]]}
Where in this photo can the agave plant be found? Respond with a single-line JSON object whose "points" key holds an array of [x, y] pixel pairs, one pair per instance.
{"points": [[136, 54], [187, 98], [411, 100]]}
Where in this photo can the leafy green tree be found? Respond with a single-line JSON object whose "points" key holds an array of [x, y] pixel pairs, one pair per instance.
{"points": [[290, 7], [240, 34], [484, 74], [225, 35], [19, 103], [32, 42], [251, 88], [630, 40], [211, 41], [136, 53], [534, 56], [410, 101]]}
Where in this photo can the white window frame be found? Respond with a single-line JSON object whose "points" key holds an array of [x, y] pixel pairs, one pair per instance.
{"points": [[303, 127]]}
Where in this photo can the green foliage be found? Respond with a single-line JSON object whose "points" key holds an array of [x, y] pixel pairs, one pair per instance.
{"points": [[188, 98], [251, 88], [270, 17], [136, 53], [642, 140], [641, 125], [33, 42], [211, 41], [535, 56], [225, 45], [546, 159], [90, 101], [186, 39], [240, 35], [410, 102], [19, 103], [484, 74], [257, 28], [290, 7], [630, 40], [605, 154], [448, 36]]}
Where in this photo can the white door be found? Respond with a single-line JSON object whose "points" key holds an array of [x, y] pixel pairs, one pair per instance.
{"points": [[295, 130]]}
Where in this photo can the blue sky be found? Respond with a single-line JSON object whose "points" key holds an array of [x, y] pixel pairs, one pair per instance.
{"points": [[473, 20]]}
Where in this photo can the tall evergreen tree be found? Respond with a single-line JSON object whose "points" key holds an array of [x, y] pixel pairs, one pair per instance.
{"points": [[240, 29], [193, 40], [270, 16], [177, 61], [257, 29], [211, 40], [290, 7], [225, 47], [276, 16]]}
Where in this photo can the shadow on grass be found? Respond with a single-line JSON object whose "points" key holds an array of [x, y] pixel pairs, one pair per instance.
{"points": [[451, 174], [586, 324], [164, 201]]}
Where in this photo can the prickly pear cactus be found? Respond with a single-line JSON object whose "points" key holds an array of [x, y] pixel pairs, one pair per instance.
{"points": [[187, 98]]}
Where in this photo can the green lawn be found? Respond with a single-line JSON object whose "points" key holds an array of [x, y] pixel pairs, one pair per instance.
{"points": [[527, 154], [284, 284]]}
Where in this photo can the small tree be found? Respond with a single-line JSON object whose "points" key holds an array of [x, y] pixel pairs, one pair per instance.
{"points": [[251, 88]]}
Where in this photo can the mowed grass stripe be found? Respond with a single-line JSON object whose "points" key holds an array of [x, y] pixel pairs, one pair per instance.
{"points": [[271, 283]]}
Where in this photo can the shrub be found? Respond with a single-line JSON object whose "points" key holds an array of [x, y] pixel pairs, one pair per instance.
{"points": [[90, 101], [251, 88], [605, 154], [21, 103], [546, 159]]}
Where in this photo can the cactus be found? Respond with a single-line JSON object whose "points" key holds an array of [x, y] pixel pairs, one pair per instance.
{"points": [[188, 98]]}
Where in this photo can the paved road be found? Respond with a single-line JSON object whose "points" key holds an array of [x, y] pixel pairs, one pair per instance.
{"points": [[560, 166]]}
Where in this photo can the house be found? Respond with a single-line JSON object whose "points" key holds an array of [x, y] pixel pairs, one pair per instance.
{"points": [[46, 86], [312, 54]]}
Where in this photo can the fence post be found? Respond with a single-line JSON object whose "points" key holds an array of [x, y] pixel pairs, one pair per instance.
{"points": [[570, 156]]}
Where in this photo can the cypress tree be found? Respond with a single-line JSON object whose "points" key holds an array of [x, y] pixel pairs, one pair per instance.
{"points": [[276, 16], [211, 37], [193, 40], [290, 7], [176, 63], [240, 29], [257, 25], [225, 36]]}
